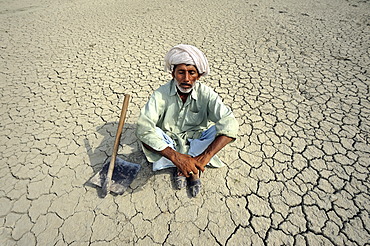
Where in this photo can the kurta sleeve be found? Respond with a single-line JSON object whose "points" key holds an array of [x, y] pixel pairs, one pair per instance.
{"points": [[222, 116], [150, 114]]}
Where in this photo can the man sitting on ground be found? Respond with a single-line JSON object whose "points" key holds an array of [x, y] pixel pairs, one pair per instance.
{"points": [[185, 123]]}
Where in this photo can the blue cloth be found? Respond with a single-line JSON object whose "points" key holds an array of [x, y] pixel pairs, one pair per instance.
{"points": [[197, 146]]}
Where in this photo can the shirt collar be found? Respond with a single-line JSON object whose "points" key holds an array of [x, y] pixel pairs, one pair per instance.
{"points": [[173, 90]]}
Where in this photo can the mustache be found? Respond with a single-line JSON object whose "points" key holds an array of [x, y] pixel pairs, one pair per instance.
{"points": [[186, 84]]}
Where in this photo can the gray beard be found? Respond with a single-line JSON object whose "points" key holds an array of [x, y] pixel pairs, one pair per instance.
{"points": [[182, 90]]}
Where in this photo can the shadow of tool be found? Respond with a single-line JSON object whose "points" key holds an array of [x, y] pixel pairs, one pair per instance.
{"points": [[129, 150]]}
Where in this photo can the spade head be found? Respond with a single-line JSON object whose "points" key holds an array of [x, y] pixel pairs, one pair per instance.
{"points": [[124, 173]]}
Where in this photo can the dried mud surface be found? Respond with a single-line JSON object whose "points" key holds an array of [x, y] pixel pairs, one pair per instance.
{"points": [[295, 73]]}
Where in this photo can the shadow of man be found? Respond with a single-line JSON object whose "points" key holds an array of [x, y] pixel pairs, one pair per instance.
{"points": [[129, 150]]}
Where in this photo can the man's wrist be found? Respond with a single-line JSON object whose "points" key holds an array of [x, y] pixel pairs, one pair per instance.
{"points": [[204, 158], [169, 153]]}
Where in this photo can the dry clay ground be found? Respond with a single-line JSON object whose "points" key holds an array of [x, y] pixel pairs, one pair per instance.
{"points": [[295, 73]]}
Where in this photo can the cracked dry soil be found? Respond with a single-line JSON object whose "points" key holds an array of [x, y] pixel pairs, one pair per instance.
{"points": [[295, 73]]}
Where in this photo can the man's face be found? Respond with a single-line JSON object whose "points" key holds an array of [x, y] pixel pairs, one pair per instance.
{"points": [[185, 76]]}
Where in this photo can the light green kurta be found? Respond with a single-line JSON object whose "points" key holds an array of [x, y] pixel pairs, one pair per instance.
{"points": [[183, 121]]}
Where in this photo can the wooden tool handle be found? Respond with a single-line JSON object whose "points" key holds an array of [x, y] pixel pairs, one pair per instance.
{"points": [[122, 118], [120, 125]]}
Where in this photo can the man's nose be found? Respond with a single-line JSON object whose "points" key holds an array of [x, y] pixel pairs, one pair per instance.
{"points": [[187, 76]]}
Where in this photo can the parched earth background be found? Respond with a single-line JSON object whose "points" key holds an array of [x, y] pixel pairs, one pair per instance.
{"points": [[295, 73]]}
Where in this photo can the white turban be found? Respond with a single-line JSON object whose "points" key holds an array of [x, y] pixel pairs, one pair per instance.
{"points": [[186, 54]]}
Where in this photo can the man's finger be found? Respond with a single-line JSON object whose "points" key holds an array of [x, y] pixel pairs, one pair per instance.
{"points": [[200, 167], [191, 172], [186, 173]]}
